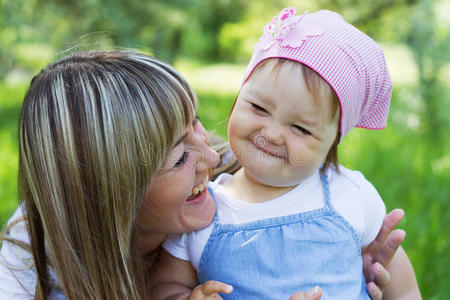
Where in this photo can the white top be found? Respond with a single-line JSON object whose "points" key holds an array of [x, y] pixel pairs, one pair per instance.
{"points": [[17, 271], [351, 195]]}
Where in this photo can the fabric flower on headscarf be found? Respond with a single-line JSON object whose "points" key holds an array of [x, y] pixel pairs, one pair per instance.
{"points": [[286, 30]]}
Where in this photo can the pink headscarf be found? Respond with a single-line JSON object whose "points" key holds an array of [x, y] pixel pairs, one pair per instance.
{"points": [[350, 61]]}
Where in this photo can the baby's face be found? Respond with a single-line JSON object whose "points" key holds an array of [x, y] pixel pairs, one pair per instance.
{"points": [[278, 132]]}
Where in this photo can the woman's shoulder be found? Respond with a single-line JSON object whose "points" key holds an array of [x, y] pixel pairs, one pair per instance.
{"points": [[17, 274], [16, 226], [17, 271]]}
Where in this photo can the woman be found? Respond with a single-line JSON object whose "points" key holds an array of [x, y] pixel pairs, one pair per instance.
{"points": [[111, 160]]}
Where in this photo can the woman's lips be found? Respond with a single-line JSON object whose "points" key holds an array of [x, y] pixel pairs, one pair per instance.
{"points": [[199, 191], [199, 198]]}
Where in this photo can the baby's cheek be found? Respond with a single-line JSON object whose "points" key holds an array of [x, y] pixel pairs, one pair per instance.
{"points": [[297, 158], [234, 129], [297, 151]]}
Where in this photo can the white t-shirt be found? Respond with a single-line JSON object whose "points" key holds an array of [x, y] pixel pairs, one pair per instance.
{"points": [[17, 272], [351, 195]]}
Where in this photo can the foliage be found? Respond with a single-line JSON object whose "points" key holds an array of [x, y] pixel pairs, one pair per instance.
{"points": [[430, 43], [10, 100]]}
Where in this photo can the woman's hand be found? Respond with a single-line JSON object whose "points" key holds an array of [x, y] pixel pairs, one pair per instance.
{"points": [[209, 291], [378, 254]]}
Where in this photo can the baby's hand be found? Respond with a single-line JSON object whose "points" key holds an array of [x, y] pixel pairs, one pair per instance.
{"points": [[313, 294], [209, 290]]}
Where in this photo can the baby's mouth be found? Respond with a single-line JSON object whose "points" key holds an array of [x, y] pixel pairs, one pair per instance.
{"points": [[199, 189], [275, 153]]}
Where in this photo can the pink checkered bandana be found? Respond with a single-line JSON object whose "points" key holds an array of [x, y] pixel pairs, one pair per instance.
{"points": [[350, 61]]}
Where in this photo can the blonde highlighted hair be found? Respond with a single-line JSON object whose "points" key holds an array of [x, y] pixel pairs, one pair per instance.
{"points": [[94, 129]]}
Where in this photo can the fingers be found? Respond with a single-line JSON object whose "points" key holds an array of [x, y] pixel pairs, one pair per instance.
{"points": [[211, 287], [389, 223], [382, 276], [388, 249], [374, 292], [379, 276], [394, 217], [313, 294], [383, 248], [209, 290]]}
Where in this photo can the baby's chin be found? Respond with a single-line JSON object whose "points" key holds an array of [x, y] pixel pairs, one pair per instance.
{"points": [[280, 184], [278, 180]]}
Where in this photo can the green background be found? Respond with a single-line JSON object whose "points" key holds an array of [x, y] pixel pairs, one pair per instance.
{"points": [[210, 42]]}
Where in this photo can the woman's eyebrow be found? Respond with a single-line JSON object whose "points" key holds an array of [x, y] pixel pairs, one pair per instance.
{"points": [[180, 139]]}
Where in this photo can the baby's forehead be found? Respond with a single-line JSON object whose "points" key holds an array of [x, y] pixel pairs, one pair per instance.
{"points": [[275, 66], [321, 92]]}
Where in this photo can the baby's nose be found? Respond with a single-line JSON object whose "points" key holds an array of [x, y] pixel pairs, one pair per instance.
{"points": [[273, 134]]}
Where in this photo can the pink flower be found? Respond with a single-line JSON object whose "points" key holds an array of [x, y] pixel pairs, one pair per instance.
{"points": [[285, 16], [286, 30]]}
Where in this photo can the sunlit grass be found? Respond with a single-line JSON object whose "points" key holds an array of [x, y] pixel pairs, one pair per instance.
{"points": [[10, 101], [223, 78], [400, 61]]}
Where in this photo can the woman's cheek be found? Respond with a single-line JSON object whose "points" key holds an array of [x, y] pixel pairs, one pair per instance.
{"points": [[184, 181]]}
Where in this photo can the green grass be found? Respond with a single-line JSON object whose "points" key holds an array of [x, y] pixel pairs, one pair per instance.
{"points": [[10, 101], [400, 167], [402, 162]]}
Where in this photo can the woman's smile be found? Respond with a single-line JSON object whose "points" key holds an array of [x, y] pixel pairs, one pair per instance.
{"points": [[199, 192]]}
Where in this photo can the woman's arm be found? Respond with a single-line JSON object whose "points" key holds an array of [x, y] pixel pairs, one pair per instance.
{"points": [[176, 279], [403, 284]]}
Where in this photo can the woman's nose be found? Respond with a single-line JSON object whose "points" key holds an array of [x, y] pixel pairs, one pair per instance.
{"points": [[201, 131], [273, 133], [207, 158]]}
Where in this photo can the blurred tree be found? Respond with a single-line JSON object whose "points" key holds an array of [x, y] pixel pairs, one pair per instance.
{"points": [[11, 23], [159, 25], [430, 43], [213, 14]]}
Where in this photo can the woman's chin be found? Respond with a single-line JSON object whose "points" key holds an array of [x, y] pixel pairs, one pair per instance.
{"points": [[199, 212]]}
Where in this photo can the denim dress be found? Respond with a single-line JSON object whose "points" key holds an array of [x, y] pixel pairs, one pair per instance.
{"points": [[276, 257]]}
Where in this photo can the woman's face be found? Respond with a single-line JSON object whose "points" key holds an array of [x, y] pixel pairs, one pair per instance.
{"points": [[178, 200]]}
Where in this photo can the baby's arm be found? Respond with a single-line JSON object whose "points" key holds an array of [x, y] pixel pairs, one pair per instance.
{"points": [[403, 283], [173, 278]]}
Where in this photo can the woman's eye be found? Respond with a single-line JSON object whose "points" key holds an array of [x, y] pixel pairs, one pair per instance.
{"points": [[195, 121], [259, 109], [182, 159], [301, 130]]}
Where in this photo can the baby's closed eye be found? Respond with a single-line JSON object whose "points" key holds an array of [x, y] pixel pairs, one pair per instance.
{"points": [[258, 109], [300, 130]]}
